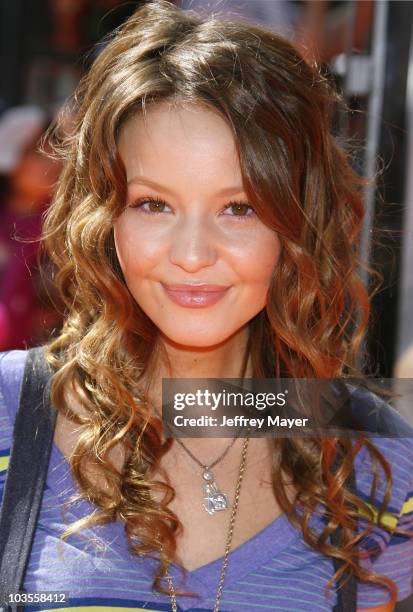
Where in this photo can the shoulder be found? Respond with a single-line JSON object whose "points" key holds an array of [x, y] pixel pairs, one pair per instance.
{"points": [[397, 454], [388, 549], [376, 415], [392, 436], [12, 364], [389, 544]]}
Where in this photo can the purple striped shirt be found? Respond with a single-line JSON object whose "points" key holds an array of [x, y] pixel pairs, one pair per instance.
{"points": [[274, 570]]}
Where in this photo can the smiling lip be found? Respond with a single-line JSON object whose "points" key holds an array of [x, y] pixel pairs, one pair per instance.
{"points": [[195, 296]]}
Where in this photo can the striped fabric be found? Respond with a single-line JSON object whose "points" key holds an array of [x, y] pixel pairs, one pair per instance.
{"points": [[274, 570]]}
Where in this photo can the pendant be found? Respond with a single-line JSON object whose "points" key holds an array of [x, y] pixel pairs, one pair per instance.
{"points": [[215, 500]]}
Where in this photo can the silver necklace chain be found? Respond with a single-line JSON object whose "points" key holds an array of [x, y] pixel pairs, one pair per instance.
{"points": [[228, 542], [202, 465], [214, 500]]}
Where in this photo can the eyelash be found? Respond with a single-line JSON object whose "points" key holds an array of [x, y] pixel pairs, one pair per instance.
{"points": [[141, 201]]}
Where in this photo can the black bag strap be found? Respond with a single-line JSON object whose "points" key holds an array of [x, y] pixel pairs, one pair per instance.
{"points": [[26, 474]]}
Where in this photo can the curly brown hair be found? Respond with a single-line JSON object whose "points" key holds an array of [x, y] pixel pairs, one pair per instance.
{"points": [[301, 184]]}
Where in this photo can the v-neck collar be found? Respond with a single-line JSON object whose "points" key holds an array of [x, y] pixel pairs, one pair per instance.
{"points": [[246, 557], [243, 559]]}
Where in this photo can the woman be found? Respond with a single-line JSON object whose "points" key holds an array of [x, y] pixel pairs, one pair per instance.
{"points": [[205, 226]]}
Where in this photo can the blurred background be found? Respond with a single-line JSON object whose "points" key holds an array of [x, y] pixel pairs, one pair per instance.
{"points": [[364, 47]]}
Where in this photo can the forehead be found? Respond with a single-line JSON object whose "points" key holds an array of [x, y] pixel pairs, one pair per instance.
{"points": [[179, 138]]}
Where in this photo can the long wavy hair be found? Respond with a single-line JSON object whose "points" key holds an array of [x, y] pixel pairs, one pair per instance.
{"points": [[301, 183]]}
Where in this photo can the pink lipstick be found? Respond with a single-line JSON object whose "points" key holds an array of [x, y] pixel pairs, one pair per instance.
{"points": [[195, 296]]}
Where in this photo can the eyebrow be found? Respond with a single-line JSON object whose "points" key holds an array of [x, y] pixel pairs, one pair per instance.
{"points": [[144, 181]]}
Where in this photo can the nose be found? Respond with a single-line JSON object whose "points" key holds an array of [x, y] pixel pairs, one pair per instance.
{"points": [[193, 245]]}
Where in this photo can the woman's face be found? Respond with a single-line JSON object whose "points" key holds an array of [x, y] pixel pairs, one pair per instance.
{"points": [[194, 254]]}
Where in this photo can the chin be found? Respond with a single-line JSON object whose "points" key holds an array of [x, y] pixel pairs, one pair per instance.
{"points": [[193, 339]]}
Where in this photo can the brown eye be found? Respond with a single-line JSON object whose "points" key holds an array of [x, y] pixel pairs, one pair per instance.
{"points": [[150, 205], [156, 206], [238, 209]]}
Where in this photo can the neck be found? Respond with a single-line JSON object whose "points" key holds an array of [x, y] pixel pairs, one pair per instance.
{"points": [[225, 360], [170, 360]]}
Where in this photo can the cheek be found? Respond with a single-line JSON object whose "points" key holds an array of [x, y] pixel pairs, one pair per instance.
{"points": [[138, 251], [257, 257], [268, 255]]}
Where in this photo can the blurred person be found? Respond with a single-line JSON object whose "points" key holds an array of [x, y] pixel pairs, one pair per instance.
{"points": [[28, 177]]}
